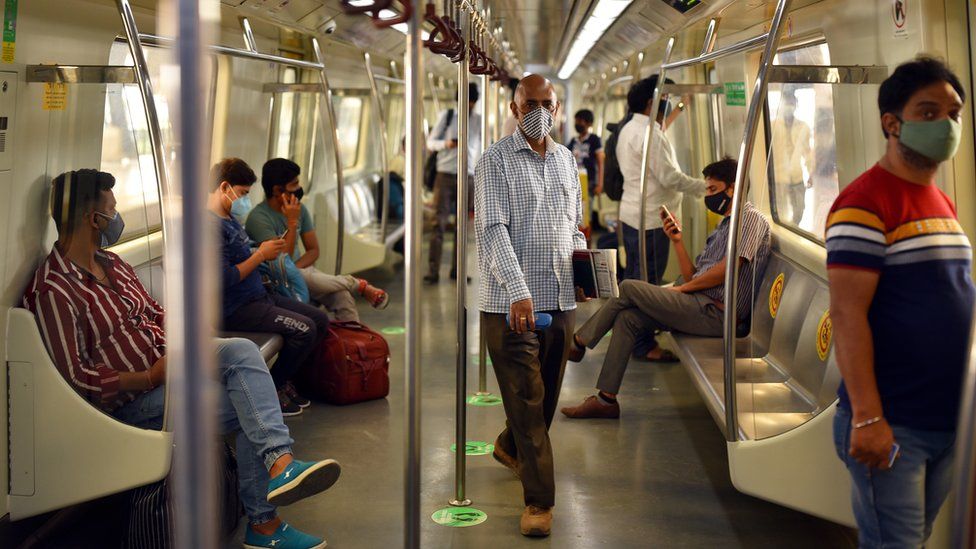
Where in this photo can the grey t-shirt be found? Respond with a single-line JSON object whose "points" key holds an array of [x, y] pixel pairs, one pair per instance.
{"points": [[264, 223]]}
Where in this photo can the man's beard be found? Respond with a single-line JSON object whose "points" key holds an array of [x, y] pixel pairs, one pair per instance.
{"points": [[915, 159]]}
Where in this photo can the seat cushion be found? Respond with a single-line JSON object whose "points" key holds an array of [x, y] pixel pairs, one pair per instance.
{"points": [[269, 344]]}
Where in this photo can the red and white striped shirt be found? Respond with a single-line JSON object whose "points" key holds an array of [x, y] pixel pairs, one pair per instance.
{"points": [[93, 331]]}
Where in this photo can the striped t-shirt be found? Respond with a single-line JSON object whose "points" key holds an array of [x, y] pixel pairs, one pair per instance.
{"points": [[921, 312]]}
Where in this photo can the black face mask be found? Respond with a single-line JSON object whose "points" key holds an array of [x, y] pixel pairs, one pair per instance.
{"points": [[580, 128], [718, 202]]}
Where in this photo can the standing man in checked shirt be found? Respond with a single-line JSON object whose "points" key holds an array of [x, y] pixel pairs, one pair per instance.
{"points": [[528, 210]]}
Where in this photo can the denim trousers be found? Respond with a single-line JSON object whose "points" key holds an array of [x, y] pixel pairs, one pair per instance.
{"points": [[896, 508], [248, 404]]}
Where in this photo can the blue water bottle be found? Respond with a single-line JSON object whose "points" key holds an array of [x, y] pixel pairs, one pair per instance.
{"points": [[542, 320]]}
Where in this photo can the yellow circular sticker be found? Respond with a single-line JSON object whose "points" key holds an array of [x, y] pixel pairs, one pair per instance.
{"points": [[776, 293], [825, 329]]}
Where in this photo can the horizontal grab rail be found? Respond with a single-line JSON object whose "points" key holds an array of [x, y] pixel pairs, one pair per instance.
{"points": [[82, 74], [163, 41], [732, 49], [828, 74], [682, 89], [390, 79]]}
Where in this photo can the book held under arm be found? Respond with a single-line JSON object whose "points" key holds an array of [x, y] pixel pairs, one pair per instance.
{"points": [[595, 271]]}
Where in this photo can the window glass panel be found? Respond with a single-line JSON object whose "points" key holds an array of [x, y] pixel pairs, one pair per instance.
{"points": [[802, 157], [349, 115], [286, 116]]}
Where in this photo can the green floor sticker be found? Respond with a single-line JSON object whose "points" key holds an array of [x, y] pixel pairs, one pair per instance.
{"points": [[475, 448], [476, 358], [394, 330], [459, 517], [484, 400]]}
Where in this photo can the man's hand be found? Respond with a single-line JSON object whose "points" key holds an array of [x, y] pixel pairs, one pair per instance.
{"points": [[676, 288], [809, 183], [450, 144], [672, 229], [270, 249], [292, 208], [581, 295], [521, 317], [157, 373], [871, 445]]}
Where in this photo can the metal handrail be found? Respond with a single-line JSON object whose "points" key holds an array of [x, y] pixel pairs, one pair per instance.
{"points": [[165, 41], [390, 79], [384, 154], [340, 181], [414, 75], [732, 49], [460, 241], [141, 68], [82, 74], [649, 138], [606, 100], [249, 41], [730, 315], [963, 518]]}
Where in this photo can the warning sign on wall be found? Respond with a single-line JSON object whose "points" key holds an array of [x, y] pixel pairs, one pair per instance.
{"points": [[55, 96], [899, 18], [735, 94]]}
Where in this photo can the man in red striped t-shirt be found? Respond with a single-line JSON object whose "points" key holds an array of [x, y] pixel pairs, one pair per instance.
{"points": [[105, 335]]}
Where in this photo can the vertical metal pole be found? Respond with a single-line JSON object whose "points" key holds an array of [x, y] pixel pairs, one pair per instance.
{"points": [[384, 154], [433, 93], [340, 182], [487, 106], [413, 64], [741, 188], [191, 286], [649, 138], [460, 241], [963, 518], [710, 36], [249, 42]]}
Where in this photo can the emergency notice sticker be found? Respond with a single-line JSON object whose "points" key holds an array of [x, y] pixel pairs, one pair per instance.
{"points": [[825, 330], [776, 294], [9, 31], [55, 96]]}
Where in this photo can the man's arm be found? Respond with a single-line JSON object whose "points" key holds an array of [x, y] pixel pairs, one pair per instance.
{"points": [[669, 174], [601, 159], [579, 239], [434, 141], [491, 222], [851, 293], [311, 242], [673, 231], [96, 382]]}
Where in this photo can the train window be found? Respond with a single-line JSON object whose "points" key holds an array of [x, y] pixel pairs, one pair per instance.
{"points": [[286, 116], [349, 115], [802, 168]]}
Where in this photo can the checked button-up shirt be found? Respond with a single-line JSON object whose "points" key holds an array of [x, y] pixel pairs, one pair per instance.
{"points": [[528, 210]]}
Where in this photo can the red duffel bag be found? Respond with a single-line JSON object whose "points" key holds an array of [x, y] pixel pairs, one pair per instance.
{"points": [[352, 364]]}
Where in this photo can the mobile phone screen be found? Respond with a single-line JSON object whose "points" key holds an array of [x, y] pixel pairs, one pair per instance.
{"points": [[282, 235]]}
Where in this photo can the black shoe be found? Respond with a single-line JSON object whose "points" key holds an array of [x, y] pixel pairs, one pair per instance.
{"points": [[298, 399], [454, 276], [432, 278], [288, 408]]}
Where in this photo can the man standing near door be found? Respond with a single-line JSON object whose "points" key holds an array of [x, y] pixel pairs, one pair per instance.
{"points": [[528, 209]]}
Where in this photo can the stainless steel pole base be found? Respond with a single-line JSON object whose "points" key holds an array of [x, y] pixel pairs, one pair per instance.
{"points": [[464, 503]]}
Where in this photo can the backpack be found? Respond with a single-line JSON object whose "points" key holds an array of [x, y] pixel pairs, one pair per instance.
{"points": [[350, 365], [613, 178], [281, 276], [430, 165]]}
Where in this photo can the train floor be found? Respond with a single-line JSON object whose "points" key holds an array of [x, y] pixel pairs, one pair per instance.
{"points": [[657, 477]]}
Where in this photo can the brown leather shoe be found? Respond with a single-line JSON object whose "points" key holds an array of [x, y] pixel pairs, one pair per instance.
{"points": [[592, 407], [576, 351], [503, 457], [536, 521]]}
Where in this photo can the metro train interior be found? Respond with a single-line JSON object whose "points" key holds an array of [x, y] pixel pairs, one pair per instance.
{"points": [[729, 446]]}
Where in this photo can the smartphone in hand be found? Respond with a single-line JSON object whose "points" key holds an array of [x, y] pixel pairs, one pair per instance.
{"points": [[666, 215], [895, 448]]}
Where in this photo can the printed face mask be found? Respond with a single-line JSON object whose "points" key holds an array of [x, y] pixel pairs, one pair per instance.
{"points": [[718, 202], [537, 124], [113, 231], [936, 140]]}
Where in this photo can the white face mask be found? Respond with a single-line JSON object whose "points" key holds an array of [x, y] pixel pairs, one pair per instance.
{"points": [[537, 124]]}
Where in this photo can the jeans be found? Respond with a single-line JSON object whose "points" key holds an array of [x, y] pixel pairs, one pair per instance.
{"points": [[896, 508], [248, 404], [658, 247], [302, 326]]}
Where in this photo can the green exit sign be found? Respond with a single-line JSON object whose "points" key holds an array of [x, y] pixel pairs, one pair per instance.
{"points": [[735, 94]]}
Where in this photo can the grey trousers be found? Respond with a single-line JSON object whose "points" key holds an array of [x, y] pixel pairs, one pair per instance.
{"points": [[797, 197], [641, 309], [333, 292]]}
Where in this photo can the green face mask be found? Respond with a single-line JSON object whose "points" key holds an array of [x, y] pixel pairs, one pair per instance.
{"points": [[936, 140]]}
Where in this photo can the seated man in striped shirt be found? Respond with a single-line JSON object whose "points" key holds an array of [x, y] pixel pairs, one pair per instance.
{"points": [[694, 306], [105, 335]]}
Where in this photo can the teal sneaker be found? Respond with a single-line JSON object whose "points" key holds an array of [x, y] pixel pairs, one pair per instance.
{"points": [[285, 537], [302, 479]]}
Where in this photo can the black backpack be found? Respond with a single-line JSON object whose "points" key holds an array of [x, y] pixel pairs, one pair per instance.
{"points": [[430, 166], [613, 179]]}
